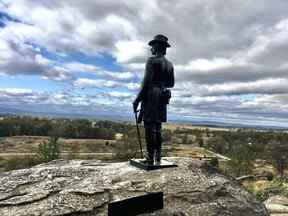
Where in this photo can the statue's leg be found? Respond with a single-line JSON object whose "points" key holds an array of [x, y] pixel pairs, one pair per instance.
{"points": [[149, 136], [158, 143]]}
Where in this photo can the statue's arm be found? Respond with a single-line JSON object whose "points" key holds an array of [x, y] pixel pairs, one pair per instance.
{"points": [[144, 86], [171, 80]]}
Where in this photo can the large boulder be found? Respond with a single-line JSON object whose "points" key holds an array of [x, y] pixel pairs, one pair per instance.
{"points": [[79, 187], [277, 205]]}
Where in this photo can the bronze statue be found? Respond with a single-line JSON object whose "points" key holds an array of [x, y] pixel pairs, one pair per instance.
{"points": [[154, 96]]}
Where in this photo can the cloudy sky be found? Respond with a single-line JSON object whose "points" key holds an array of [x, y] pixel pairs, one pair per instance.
{"points": [[230, 57]]}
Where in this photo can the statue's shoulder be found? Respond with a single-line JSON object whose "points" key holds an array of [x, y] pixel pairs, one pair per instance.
{"points": [[150, 60], [153, 59], [157, 58], [169, 63], [160, 60]]}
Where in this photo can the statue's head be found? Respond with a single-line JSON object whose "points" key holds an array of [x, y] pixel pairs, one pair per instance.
{"points": [[159, 44]]}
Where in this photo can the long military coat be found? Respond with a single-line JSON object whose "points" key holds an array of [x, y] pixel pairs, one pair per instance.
{"points": [[159, 73]]}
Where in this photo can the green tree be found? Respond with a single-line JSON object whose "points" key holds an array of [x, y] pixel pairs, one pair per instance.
{"points": [[242, 158], [217, 144], [50, 150]]}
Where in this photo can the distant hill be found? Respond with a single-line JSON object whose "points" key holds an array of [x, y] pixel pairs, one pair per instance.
{"points": [[125, 117], [218, 124], [99, 116]]}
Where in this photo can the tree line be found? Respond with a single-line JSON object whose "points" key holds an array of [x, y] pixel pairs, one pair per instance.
{"points": [[66, 128]]}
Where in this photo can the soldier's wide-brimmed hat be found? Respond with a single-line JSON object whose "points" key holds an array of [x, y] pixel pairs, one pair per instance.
{"points": [[159, 39]]}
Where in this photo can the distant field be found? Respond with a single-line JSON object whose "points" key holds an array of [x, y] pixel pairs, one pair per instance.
{"points": [[193, 152], [15, 150], [28, 145], [173, 127], [23, 146]]}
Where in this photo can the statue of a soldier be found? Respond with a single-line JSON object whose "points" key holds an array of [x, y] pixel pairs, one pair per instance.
{"points": [[154, 95]]}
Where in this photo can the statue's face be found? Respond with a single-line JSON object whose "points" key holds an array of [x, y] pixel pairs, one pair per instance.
{"points": [[157, 48]]}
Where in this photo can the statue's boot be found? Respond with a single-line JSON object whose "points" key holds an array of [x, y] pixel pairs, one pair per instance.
{"points": [[158, 145], [149, 136]]}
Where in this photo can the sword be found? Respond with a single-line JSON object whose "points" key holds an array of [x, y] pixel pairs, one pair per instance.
{"points": [[138, 133]]}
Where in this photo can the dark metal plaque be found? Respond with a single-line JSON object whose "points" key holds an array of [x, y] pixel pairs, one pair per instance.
{"points": [[136, 205]]}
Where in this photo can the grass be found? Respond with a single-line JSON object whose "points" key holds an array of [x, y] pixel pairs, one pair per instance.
{"points": [[17, 162], [264, 189], [20, 152]]}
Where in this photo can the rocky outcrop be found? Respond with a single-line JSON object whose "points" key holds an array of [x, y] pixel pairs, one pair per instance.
{"points": [[277, 205], [86, 187]]}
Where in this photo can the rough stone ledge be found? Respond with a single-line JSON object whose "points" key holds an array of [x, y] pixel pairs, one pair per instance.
{"points": [[79, 187]]}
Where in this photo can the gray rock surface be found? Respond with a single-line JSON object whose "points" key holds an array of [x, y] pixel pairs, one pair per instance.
{"points": [[277, 205], [80, 187]]}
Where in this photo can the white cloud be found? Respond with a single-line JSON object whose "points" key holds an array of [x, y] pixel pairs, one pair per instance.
{"points": [[23, 98], [133, 86], [222, 50], [116, 75], [129, 51], [21, 58], [266, 86], [16, 91], [77, 66], [120, 94], [203, 65], [120, 75], [103, 83], [99, 83]]}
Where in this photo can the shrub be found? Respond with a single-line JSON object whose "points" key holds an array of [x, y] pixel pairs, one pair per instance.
{"points": [[276, 187], [214, 162], [50, 150]]}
